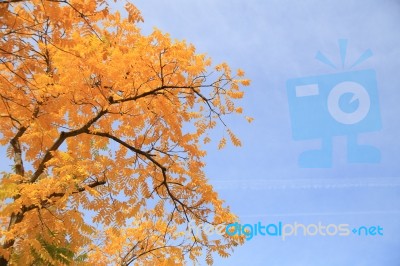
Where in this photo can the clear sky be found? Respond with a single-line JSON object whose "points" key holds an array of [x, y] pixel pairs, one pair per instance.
{"points": [[274, 41], [277, 40]]}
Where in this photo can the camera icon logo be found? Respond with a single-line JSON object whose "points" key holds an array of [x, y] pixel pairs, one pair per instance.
{"points": [[340, 104]]}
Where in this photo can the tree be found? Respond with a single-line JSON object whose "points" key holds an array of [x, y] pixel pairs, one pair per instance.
{"points": [[105, 127]]}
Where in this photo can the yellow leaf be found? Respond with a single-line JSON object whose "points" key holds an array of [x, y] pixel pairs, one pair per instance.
{"points": [[222, 143], [249, 119]]}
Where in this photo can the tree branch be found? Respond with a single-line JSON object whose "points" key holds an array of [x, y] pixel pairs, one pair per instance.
{"points": [[61, 194], [63, 136]]}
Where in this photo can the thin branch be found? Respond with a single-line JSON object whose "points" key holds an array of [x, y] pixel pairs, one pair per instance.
{"points": [[61, 194]]}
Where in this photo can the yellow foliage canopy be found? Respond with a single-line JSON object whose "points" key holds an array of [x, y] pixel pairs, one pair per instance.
{"points": [[95, 114]]}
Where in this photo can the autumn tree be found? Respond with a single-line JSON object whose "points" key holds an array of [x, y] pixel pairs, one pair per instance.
{"points": [[105, 127]]}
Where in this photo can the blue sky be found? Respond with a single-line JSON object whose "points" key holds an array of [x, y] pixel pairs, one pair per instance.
{"points": [[277, 40]]}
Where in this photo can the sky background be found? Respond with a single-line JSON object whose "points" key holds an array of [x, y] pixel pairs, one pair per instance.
{"points": [[273, 41], [277, 40]]}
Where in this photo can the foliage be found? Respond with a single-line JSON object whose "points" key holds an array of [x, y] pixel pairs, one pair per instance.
{"points": [[105, 127]]}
